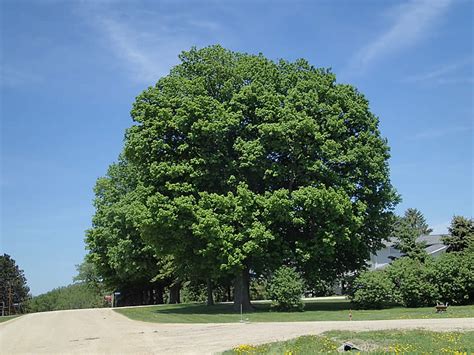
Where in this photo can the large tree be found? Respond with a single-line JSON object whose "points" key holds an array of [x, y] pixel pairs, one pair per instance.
{"points": [[13, 287], [249, 164]]}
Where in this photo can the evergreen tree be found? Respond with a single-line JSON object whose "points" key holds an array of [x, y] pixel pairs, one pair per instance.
{"points": [[407, 230], [13, 287], [461, 234]]}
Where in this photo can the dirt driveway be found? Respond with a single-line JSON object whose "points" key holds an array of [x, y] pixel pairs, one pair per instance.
{"points": [[103, 331]]}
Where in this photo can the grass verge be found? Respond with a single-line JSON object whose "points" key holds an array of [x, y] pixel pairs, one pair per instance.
{"points": [[5, 318], [373, 342], [320, 310]]}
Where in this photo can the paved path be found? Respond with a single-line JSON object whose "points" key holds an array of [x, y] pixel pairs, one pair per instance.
{"points": [[104, 331]]}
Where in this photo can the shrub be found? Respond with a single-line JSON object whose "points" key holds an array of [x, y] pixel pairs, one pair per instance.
{"points": [[413, 282], [453, 275], [372, 289], [286, 289]]}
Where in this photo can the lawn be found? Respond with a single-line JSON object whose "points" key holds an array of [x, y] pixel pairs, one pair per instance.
{"points": [[374, 342], [320, 310], [5, 318]]}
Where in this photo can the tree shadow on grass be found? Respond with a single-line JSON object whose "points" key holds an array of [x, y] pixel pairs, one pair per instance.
{"points": [[203, 309]]}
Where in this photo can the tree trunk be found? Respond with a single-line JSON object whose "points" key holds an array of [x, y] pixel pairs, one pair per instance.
{"points": [[159, 295], [210, 299], [151, 296], [241, 291], [174, 293]]}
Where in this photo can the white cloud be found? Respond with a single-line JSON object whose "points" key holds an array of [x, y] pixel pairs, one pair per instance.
{"points": [[412, 21]]}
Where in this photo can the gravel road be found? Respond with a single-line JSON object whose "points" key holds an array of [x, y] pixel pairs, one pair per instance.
{"points": [[103, 331]]}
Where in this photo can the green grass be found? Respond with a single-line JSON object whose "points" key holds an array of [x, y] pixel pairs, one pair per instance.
{"points": [[373, 342], [321, 310], [5, 318]]}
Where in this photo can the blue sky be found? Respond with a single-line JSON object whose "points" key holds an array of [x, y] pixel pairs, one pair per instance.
{"points": [[70, 71]]}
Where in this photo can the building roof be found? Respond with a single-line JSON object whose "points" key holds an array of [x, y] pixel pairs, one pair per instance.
{"points": [[429, 239]]}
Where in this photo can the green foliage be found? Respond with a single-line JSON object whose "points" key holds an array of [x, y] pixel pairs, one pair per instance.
{"points": [[417, 221], [286, 289], [87, 273], [259, 289], [372, 289], [238, 163], [117, 255], [13, 287], [320, 288], [414, 284], [453, 275], [192, 292], [407, 230], [74, 296], [461, 235]]}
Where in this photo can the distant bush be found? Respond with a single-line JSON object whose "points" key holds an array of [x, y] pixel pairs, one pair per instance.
{"points": [[453, 275], [373, 289], [286, 289], [74, 296], [412, 283]]}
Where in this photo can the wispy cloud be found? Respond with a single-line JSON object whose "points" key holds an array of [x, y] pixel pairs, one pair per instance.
{"points": [[435, 133], [129, 45], [446, 74], [412, 21], [147, 43]]}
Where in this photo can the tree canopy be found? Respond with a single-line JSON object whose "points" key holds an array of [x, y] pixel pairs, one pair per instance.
{"points": [[242, 164]]}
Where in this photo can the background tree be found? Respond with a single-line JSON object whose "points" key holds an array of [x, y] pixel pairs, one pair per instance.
{"points": [[461, 234], [87, 273], [248, 164], [75, 296], [13, 287], [119, 255], [417, 221], [407, 230]]}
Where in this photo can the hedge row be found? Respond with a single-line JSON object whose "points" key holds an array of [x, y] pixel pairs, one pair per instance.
{"points": [[411, 283]]}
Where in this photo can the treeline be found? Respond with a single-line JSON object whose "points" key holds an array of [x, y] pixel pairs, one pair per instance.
{"points": [[74, 296]]}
